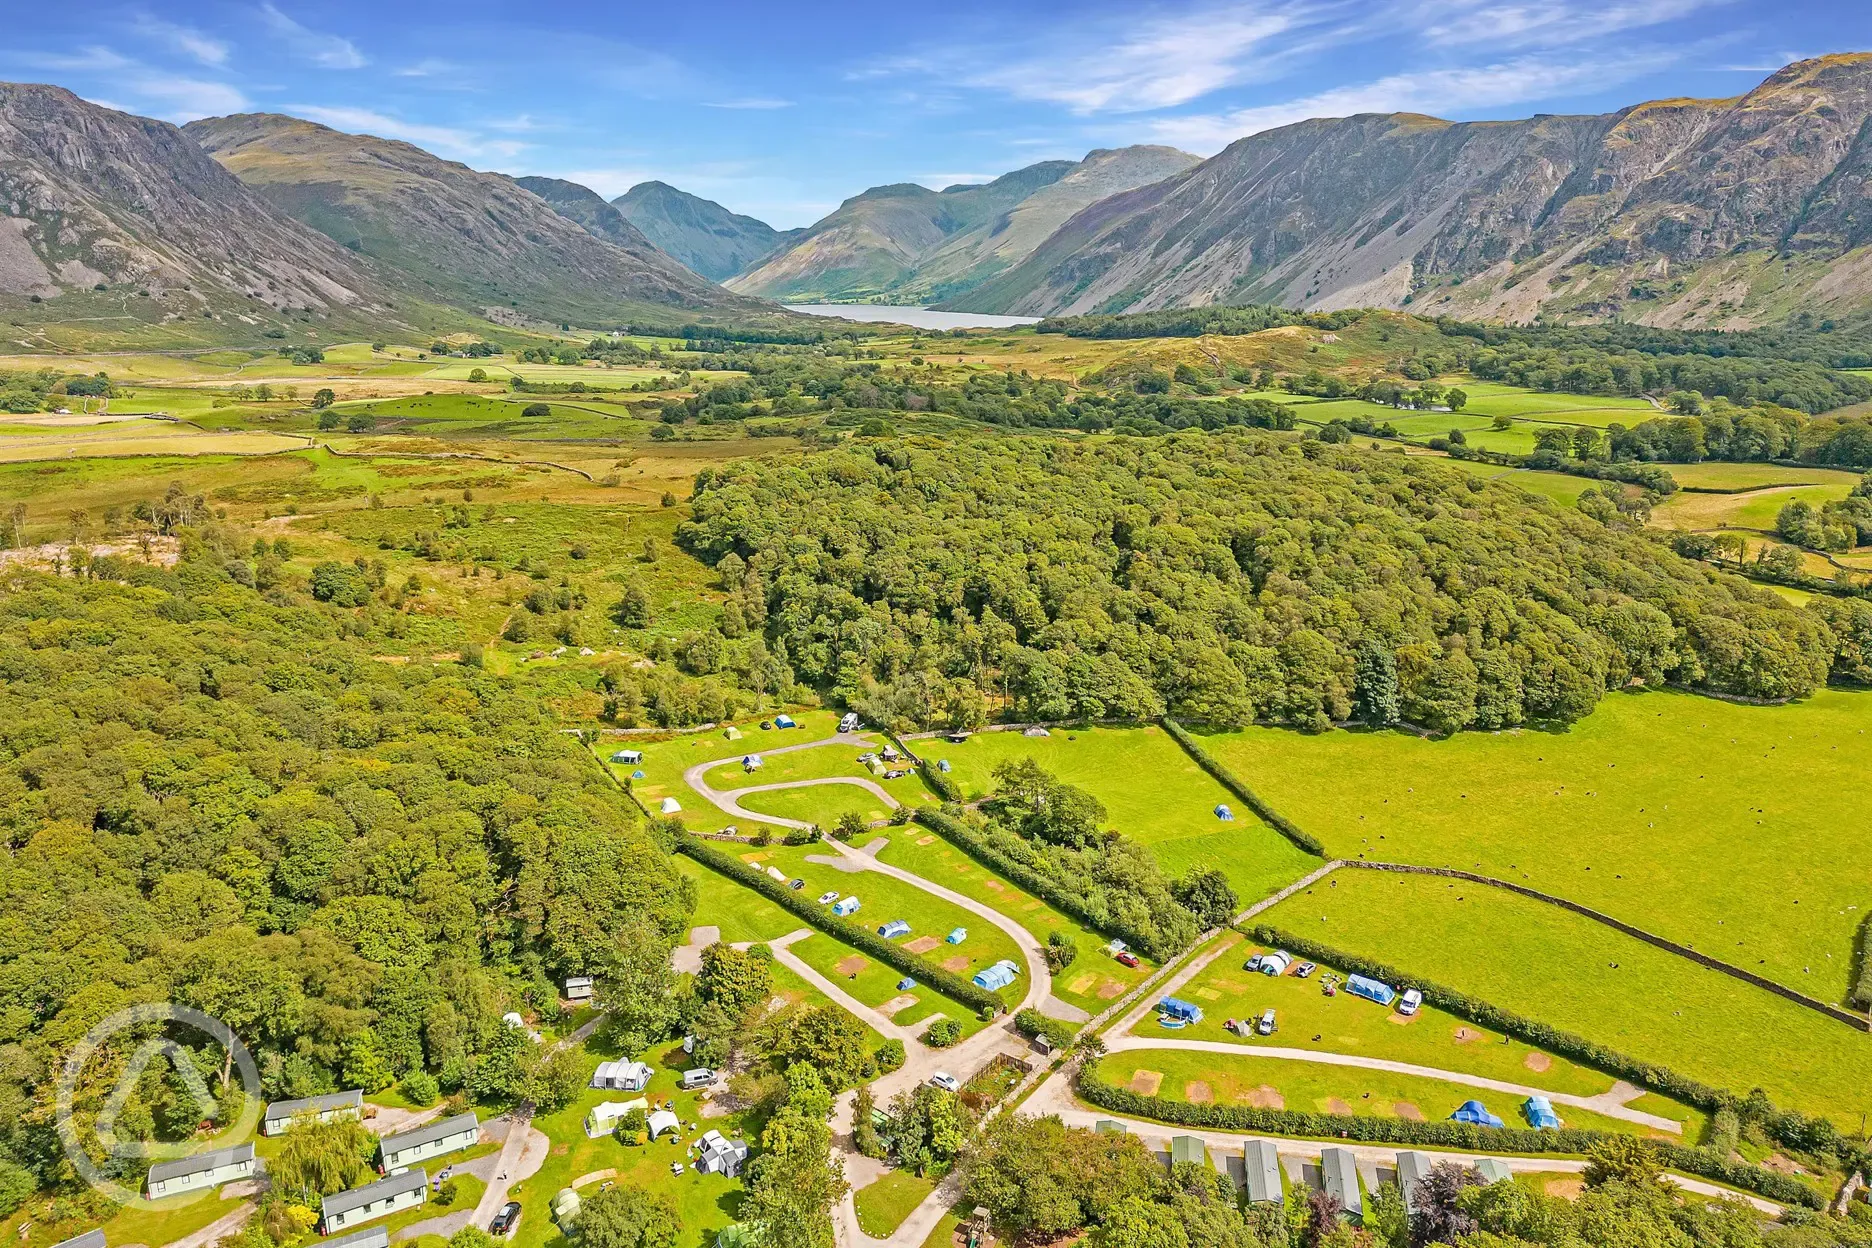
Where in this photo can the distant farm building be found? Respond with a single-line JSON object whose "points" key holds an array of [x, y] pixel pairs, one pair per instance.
{"points": [[578, 988]]}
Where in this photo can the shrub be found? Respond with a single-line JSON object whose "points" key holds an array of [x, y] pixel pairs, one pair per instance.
{"points": [[889, 1056], [419, 1088], [536, 409], [446, 1192], [1033, 1024], [942, 1033]]}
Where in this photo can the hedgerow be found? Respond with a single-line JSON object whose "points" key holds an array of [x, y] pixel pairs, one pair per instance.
{"points": [[856, 935], [1228, 780]]}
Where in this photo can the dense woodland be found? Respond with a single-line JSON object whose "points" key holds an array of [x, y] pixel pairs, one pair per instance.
{"points": [[215, 796], [1225, 578]]}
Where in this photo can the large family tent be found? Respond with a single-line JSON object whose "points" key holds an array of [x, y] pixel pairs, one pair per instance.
{"points": [[997, 977], [1476, 1114], [1539, 1112], [1370, 989]]}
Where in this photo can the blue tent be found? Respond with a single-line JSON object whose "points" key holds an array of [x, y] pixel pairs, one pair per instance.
{"points": [[959, 935], [784, 721], [1539, 1112], [1223, 813], [1171, 1007], [637, 775], [942, 765], [996, 977], [1476, 1114], [905, 984], [893, 929], [1370, 989]]}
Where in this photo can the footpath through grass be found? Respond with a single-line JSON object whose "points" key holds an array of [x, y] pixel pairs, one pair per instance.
{"points": [[1155, 795], [1547, 963], [1736, 830]]}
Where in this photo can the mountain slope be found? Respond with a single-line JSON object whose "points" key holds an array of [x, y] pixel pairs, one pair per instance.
{"points": [[872, 245], [101, 211], [1679, 212], [698, 232], [457, 235], [588, 208]]}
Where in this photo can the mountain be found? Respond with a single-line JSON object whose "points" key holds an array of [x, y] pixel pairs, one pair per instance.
{"points": [[876, 243], [700, 232], [589, 209], [455, 235], [109, 217], [1705, 213]]}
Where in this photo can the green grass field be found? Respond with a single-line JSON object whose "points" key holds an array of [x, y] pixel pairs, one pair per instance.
{"points": [[1547, 963], [1756, 509], [1711, 475], [1092, 982], [885, 1202], [1734, 829], [823, 805], [1273, 1083], [1153, 792], [1347, 1024]]}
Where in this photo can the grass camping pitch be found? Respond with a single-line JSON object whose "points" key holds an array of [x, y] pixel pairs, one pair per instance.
{"points": [[1733, 829], [1154, 793], [1546, 963]]}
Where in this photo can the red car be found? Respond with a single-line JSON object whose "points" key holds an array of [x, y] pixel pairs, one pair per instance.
{"points": [[1127, 959]]}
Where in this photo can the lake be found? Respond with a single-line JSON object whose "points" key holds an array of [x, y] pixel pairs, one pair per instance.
{"points": [[922, 318]]}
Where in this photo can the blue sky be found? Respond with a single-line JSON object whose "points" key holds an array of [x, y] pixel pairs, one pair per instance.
{"points": [[783, 109]]}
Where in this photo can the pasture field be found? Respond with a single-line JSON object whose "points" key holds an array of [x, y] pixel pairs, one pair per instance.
{"points": [[706, 1203], [1493, 398], [886, 1201], [1713, 475], [1547, 963], [1347, 1024], [1155, 794], [1275, 1083], [1092, 982], [455, 416], [1733, 829], [140, 437], [1756, 509]]}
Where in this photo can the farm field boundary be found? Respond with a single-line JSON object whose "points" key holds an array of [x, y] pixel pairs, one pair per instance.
{"points": [[446, 455], [1227, 779], [1851, 1019]]}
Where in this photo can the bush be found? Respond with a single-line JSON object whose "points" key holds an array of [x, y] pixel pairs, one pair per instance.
{"points": [[1060, 952], [419, 1088], [536, 409], [1033, 1024], [942, 1033], [1249, 798], [446, 1192], [889, 1056], [856, 935]]}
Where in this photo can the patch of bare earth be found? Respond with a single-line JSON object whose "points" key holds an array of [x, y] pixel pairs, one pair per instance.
{"points": [[851, 965], [1539, 1063], [1267, 1096], [1196, 1092], [1467, 1035], [956, 965], [1146, 1082], [1336, 1106], [1404, 1109], [1565, 1189], [923, 944]]}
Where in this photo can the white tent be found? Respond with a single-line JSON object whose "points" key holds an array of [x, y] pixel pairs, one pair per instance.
{"points": [[604, 1118], [663, 1120], [671, 806]]}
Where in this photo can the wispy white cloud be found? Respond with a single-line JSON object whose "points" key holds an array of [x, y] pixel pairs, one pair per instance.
{"points": [[180, 99], [428, 67], [187, 40], [1439, 92], [1512, 26], [756, 103], [325, 51], [90, 57], [444, 140]]}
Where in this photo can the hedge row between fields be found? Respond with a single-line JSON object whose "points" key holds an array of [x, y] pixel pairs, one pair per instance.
{"points": [[1372, 1129], [963, 837], [1228, 780], [1790, 1127], [856, 935]]}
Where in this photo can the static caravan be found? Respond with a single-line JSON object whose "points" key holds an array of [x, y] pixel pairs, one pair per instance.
{"points": [[280, 1114], [1493, 1170], [1412, 1169], [369, 1237], [374, 1200], [1188, 1148], [1339, 1174], [446, 1135], [1110, 1126], [628, 756], [1261, 1162], [578, 988], [203, 1170]]}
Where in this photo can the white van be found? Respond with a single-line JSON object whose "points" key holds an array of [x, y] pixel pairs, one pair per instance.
{"points": [[1266, 1025], [1408, 1003], [700, 1077]]}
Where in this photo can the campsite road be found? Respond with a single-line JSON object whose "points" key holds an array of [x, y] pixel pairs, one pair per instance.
{"points": [[695, 776], [1611, 1103]]}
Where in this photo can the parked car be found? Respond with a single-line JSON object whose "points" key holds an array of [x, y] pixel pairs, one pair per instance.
{"points": [[700, 1077], [1408, 1003], [504, 1220], [826, 899], [1305, 969], [796, 885], [1127, 959], [947, 1082], [1252, 964], [1266, 1025], [766, 725]]}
